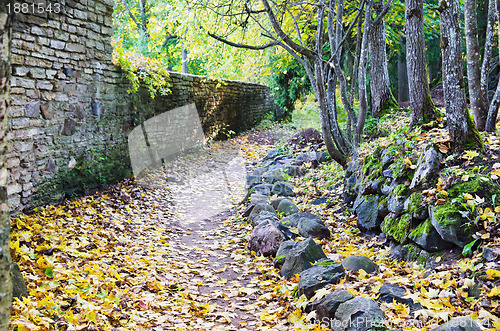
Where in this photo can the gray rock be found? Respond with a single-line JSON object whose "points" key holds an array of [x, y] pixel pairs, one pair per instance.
{"points": [[356, 262], [449, 230], [272, 154], [322, 156], [275, 202], [292, 220], [459, 324], [264, 215], [491, 253], [32, 109], [256, 198], [325, 308], [295, 171], [283, 189], [308, 157], [19, 289], [395, 204], [322, 273], [427, 166], [312, 227], [69, 127], [258, 171], [388, 173], [386, 189], [263, 189], [260, 207], [96, 108], [351, 189], [428, 238], [301, 257], [358, 314], [366, 209], [271, 177], [286, 207], [253, 180], [391, 292], [282, 252], [265, 239]]}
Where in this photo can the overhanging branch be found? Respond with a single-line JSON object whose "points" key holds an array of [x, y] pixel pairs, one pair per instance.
{"points": [[230, 43]]}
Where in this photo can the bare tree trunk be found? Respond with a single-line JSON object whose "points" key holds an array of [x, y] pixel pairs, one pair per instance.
{"points": [[363, 102], [421, 105], [488, 47], [491, 121], [380, 86], [477, 99], [461, 127], [184, 60], [403, 95], [355, 68], [5, 274]]}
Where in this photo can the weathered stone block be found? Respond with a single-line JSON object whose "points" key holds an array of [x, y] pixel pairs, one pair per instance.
{"points": [[69, 127], [32, 109]]}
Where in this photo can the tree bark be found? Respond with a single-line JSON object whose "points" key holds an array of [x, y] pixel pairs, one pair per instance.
{"points": [[488, 47], [380, 87], [403, 95], [184, 60], [5, 275], [461, 127], [491, 121], [363, 102], [421, 105], [477, 99]]}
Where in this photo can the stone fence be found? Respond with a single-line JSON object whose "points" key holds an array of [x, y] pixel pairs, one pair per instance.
{"points": [[70, 113]]}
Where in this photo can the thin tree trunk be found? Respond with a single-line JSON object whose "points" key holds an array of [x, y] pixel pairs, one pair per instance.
{"points": [[491, 121], [5, 274], [488, 47], [363, 103], [461, 127], [477, 99], [184, 60], [380, 86], [421, 105], [355, 68], [403, 95]]}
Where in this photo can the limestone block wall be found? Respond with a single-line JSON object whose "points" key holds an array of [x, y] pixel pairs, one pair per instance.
{"points": [[70, 113]]}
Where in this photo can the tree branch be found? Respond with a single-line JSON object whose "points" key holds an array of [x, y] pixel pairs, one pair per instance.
{"points": [[230, 43], [131, 15], [283, 36]]}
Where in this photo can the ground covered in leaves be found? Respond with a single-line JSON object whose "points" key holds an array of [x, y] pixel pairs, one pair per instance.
{"points": [[169, 253]]}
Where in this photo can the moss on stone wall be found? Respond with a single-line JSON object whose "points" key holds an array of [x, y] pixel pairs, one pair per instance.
{"points": [[94, 170]]}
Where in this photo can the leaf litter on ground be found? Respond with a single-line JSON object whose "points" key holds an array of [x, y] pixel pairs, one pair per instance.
{"points": [[128, 259]]}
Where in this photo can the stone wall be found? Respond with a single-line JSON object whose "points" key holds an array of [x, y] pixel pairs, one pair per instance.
{"points": [[70, 113]]}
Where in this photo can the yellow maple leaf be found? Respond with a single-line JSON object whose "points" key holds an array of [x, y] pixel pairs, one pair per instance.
{"points": [[492, 273], [494, 292]]}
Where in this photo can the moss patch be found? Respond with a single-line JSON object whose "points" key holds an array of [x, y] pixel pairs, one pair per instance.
{"points": [[475, 186], [400, 190], [425, 227], [415, 203], [94, 170], [446, 214], [397, 227]]}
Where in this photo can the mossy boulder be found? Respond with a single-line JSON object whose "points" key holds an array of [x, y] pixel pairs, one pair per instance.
{"points": [[448, 222], [397, 199], [414, 205], [426, 236], [428, 165], [396, 226]]}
